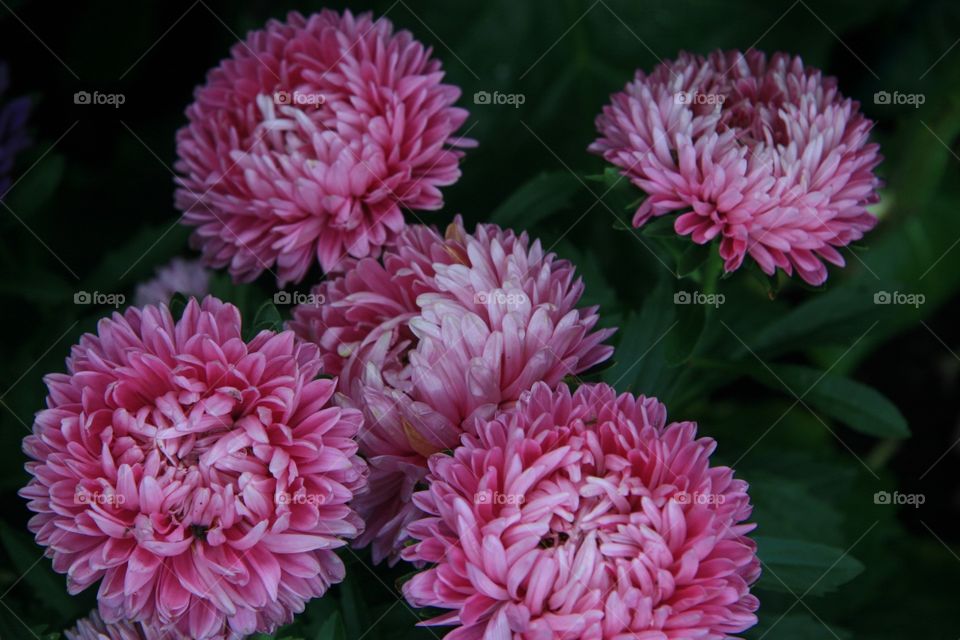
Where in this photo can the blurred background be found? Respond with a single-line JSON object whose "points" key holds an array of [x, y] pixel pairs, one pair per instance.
{"points": [[809, 393]]}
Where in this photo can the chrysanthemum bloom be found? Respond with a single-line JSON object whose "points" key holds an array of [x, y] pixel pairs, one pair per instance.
{"points": [[204, 479], [13, 131], [94, 628], [441, 332], [584, 516], [310, 139], [188, 277], [766, 155]]}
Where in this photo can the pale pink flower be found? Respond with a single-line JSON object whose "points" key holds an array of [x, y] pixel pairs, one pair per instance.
{"points": [[767, 156], [443, 331], [204, 480], [306, 144], [94, 628], [187, 277], [584, 516]]}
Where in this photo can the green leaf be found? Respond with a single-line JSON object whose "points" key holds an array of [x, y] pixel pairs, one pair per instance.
{"points": [[684, 337], [795, 626], [692, 257], [267, 318], [137, 258], [856, 405], [539, 198], [353, 607], [660, 227], [800, 568], [638, 359], [332, 628], [178, 302], [35, 572], [37, 187], [786, 508]]}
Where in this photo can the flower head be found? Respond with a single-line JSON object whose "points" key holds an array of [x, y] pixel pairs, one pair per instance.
{"points": [[202, 478], [188, 277], [443, 331], [307, 142], [766, 155], [94, 628], [584, 516], [13, 130]]}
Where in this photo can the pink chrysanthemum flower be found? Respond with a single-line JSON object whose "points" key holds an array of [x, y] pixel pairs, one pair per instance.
{"points": [[767, 156], [441, 332], [203, 478], [188, 277], [306, 144], [584, 516], [94, 628]]}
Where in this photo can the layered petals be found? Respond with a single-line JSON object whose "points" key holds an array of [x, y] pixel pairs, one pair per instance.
{"points": [[305, 145], [444, 331], [202, 479], [584, 515], [766, 156]]}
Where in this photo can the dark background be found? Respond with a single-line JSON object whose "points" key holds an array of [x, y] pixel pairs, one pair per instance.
{"points": [[94, 212]]}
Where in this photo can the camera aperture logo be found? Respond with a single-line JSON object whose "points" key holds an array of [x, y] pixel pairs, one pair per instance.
{"points": [[82, 496], [298, 297], [501, 298], [299, 498], [97, 98], [899, 298], [684, 497], [495, 497], [299, 99], [115, 300], [697, 98], [698, 297], [896, 98], [896, 498], [512, 99]]}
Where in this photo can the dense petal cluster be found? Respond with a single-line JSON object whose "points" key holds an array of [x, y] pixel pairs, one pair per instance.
{"points": [[94, 628], [445, 330], [767, 156], [307, 142], [13, 130], [203, 478], [584, 516], [187, 277]]}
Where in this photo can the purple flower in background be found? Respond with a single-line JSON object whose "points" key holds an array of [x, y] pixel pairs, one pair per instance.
{"points": [[188, 277], [13, 132]]}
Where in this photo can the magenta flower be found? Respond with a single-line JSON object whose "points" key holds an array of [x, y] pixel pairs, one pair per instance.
{"points": [[442, 332], [767, 156], [204, 479], [306, 144], [188, 277], [93, 628], [584, 516]]}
